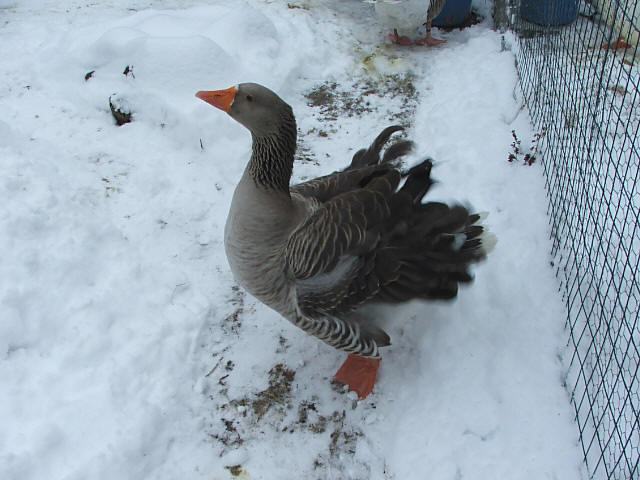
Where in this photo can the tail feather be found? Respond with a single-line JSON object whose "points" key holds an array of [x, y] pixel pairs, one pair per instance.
{"points": [[473, 231], [418, 181], [371, 155], [397, 150], [433, 244]]}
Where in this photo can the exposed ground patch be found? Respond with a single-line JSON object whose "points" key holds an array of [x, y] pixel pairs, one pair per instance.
{"points": [[359, 98]]}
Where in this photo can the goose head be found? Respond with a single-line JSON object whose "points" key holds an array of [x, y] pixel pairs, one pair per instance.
{"points": [[256, 107], [273, 130]]}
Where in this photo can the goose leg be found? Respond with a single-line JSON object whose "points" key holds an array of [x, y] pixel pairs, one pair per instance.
{"points": [[429, 41], [359, 374], [399, 40]]}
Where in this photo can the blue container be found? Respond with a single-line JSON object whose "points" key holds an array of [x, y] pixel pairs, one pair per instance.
{"points": [[549, 12], [453, 14]]}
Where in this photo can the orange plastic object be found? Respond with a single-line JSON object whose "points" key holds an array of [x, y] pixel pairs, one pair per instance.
{"points": [[359, 374]]}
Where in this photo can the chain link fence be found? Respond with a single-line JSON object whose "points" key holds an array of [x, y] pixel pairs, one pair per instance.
{"points": [[581, 83]]}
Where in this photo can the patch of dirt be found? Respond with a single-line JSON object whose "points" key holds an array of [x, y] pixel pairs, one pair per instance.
{"points": [[404, 87], [229, 437], [296, 6], [283, 345], [278, 391], [237, 471], [303, 152], [322, 95], [232, 322], [393, 97], [309, 418], [334, 102], [342, 441]]}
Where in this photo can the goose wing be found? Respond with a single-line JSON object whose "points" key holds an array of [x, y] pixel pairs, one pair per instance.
{"points": [[330, 252], [348, 224]]}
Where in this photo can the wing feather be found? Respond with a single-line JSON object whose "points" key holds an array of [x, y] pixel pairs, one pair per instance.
{"points": [[339, 227]]}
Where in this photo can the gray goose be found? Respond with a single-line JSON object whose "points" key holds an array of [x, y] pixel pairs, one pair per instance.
{"points": [[316, 251]]}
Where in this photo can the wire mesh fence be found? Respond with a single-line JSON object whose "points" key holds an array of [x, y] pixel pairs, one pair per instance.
{"points": [[581, 83]]}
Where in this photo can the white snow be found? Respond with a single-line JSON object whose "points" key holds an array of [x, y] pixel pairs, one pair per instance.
{"points": [[126, 350]]}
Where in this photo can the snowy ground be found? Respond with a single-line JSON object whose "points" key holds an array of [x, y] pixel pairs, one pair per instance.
{"points": [[126, 349]]}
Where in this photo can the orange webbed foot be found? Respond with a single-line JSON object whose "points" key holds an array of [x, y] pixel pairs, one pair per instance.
{"points": [[399, 40], [359, 374], [429, 41]]}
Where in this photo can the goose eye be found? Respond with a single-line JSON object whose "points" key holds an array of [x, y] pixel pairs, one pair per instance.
{"points": [[249, 98]]}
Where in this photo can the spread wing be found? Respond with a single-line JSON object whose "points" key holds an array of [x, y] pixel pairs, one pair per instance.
{"points": [[370, 240], [332, 255], [375, 241]]}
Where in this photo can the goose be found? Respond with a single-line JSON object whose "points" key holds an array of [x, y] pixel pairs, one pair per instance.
{"points": [[317, 251], [406, 16]]}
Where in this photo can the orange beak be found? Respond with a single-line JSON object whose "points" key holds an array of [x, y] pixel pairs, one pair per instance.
{"points": [[222, 99]]}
